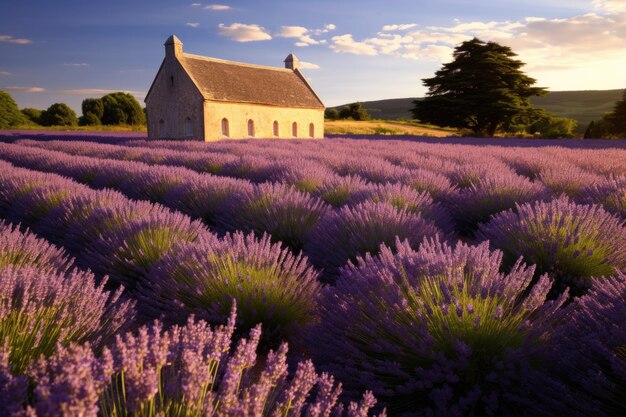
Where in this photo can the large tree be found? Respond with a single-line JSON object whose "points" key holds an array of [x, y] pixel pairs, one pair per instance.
{"points": [[482, 89], [10, 115], [617, 118], [58, 114]]}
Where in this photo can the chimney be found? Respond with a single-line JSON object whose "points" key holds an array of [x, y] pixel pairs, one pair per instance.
{"points": [[291, 62], [173, 47]]}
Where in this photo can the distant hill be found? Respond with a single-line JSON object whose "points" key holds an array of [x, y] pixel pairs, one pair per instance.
{"points": [[583, 106]]}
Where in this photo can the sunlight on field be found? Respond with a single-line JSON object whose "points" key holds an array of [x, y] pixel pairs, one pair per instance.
{"points": [[382, 127]]}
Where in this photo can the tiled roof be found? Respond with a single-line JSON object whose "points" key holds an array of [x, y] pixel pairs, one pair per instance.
{"points": [[246, 83]]}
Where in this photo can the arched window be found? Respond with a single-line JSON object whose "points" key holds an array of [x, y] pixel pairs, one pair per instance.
{"points": [[276, 129], [311, 130], [188, 127], [294, 129], [251, 127], [161, 131], [225, 128]]}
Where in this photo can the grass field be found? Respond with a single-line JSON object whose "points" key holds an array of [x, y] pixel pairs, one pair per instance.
{"points": [[383, 127]]}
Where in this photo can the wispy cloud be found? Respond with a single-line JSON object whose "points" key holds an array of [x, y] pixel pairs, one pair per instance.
{"points": [[406, 26], [347, 44], [611, 6], [218, 7], [305, 35], [76, 65], [5, 73], [11, 39], [17, 89], [240, 32], [308, 65], [194, 25]]}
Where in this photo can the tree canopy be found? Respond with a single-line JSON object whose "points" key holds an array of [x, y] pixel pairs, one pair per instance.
{"points": [[612, 125], [10, 115], [483, 89], [112, 109], [58, 114]]}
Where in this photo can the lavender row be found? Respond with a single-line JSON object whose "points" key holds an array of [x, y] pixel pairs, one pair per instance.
{"points": [[45, 302], [290, 216], [169, 262], [312, 168]]}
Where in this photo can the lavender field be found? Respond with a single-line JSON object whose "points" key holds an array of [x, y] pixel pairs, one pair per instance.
{"points": [[356, 277]]}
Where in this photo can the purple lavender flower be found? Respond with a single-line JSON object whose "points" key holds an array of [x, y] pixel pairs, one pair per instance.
{"points": [[571, 242], [567, 179], [590, 345], [19, 249], [349, 232], [490, 195], [440, 331], [338, 190], [609, 192], [39, 309], [271, 286], [286, 214]]}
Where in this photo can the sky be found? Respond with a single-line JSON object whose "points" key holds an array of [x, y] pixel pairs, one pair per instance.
{"points": [[68, 50]]}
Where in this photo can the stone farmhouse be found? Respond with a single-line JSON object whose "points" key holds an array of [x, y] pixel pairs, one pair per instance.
{"points": [[196, 97]]}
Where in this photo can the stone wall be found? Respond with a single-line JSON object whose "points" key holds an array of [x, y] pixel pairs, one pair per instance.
{"points": [[263, 117], [174, 98]]}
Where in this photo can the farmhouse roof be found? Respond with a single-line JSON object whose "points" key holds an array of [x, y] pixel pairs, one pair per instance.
{"points": [[230, 81]]}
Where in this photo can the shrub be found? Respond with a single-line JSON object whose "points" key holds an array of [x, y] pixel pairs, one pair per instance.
{"points": [[440, 331], [488, 196], [271, 285], [32, 115], [338, 190], [286, 214], [609, 192], [568, 179], [571, 242], [19, 249], [121, 108], [423, 180], [590, 347], [40, 309], [127, 252], [185, 371], [349, 232], [58, 114], [10, 115]]}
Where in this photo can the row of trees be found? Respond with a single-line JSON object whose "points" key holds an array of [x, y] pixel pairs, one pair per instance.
{"points": [[112, 109], [484, 91], [612, 125], [354, 111]]}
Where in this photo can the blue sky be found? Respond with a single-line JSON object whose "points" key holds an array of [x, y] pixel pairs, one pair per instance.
{"points": [[65, 51]]}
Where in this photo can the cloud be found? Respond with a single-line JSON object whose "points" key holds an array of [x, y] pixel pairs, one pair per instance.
{"points": [[240, 32], [194, 25], [305, 35], [308, 65], [611, 6], [220, 7], [25, 89], [391, 28], [76, 65], [5, 73], [11, 39], [346, 44]]}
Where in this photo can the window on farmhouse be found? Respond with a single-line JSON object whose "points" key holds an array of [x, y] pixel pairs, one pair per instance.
{"points": [[311, 130], [225, 128], [276, 130], [188, 127], [294, 129], [251, 128]]}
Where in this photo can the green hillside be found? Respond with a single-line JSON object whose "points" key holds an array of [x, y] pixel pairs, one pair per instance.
{"points": [[583, 106]]}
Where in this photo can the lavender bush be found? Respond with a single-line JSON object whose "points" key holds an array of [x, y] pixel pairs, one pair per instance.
{"points": [[185, 371], [39, 309], [440, 331], [571, 242], [490, 195], [286, 214], [19, 249], [610, 193], [271, 286], [349, 232], [338, 190]]}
